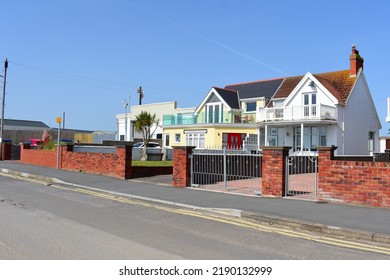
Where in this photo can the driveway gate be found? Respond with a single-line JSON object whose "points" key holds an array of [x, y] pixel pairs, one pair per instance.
{"points": [[301, 175], [227, 170]]}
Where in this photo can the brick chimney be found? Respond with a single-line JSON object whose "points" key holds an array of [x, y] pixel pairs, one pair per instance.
{"points": [[356, 61]]}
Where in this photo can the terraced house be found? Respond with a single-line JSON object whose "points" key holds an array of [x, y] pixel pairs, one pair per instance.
{"points": [[333, 108]]}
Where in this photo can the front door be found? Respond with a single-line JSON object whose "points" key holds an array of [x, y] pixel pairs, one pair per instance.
{"points": [[234, 140]]}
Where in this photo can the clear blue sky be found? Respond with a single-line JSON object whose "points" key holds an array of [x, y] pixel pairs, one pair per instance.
{"points": [[83, 57]]}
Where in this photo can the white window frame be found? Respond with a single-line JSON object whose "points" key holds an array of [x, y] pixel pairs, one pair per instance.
{"points": [[310, 109], [196, 138], [213, 105]]}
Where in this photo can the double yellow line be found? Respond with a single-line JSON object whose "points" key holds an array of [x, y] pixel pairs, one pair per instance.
{"points": [[237, 222]]}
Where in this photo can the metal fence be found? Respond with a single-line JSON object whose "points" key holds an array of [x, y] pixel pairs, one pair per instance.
{"points": [[301, 175], [226, 170]]}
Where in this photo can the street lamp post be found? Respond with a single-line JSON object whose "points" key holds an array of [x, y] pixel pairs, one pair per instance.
{"points": [[58, 120], [125, 104], [2, 109]]}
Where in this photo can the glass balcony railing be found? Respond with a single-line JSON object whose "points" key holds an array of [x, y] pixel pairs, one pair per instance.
{"points": [[294, 113], [179, 119]]}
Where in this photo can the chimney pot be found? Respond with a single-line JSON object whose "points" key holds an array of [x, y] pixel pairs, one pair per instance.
{"points": [[356, 61]]}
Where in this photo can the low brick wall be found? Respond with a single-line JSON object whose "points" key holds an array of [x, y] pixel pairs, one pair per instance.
{"points": [[112, 164], [354, 182], [38, 157]]}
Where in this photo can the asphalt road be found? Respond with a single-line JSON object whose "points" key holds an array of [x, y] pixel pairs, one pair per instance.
{"points": [[62, 222]]}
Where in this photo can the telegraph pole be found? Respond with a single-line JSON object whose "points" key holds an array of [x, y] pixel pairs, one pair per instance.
{"points": [[2, 109], [140, 92]]}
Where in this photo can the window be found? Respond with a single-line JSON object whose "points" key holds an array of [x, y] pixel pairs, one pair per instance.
{"points": [[276, 137], [371, 137], [166, 140], [250, 106], [177, 137], [313, 136], [310, 104], [195, 139], [214, 113], [121, 137], [159, 136]]}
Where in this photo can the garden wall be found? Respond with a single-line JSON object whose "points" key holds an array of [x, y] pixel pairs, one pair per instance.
{"points": [[354, 182], [116, 164]]}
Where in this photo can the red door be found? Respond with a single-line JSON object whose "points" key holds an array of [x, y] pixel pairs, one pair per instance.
{"points": [[234, 140]]}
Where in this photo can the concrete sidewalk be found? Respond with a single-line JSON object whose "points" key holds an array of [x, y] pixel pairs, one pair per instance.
{"points": [[372, 224]]}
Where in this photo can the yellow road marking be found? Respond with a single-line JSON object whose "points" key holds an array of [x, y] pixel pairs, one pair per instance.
{"points": [[236, 222]]}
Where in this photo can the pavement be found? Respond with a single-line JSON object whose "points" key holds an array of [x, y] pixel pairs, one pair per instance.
{"points": [[348, 221]]}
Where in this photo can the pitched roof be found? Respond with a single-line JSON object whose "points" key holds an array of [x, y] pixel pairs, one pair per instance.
{"points": [[338, 83], [25, 125], [230, 97], [265, 88], [287, 86]]}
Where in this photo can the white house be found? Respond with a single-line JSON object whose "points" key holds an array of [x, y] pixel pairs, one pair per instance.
{"points": [[126, 130], [334, 108]]}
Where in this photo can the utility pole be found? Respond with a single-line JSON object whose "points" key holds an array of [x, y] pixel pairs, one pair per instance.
{"points": [[140, 92], [2, 109]]}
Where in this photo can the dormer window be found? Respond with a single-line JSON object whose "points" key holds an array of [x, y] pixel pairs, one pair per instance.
{"points": [[250, 106]]}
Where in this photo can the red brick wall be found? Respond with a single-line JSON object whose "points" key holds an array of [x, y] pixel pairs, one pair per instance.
{"points": [[274, 171], [116, 165], [38, 157], [182, 166], [361, 183]]}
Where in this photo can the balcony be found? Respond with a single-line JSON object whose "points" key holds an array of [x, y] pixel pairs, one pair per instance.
{"points": [[179, 119], [297, 113], [191, 119]]}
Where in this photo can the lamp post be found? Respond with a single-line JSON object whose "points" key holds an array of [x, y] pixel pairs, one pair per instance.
{"points": [[2, 109], [125, 104], [58, 120]]}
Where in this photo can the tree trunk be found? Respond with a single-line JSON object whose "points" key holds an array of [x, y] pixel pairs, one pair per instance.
{"points": [[144, 155]]}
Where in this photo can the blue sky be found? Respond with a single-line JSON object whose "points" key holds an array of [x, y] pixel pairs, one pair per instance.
{"points": [[83, 57]]}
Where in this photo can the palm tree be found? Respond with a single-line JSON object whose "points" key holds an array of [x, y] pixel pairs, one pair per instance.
{"points": [[147, 124]]}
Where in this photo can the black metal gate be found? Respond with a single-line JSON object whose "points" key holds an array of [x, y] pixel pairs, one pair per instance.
{"points": [[226, 170], [301, 175]]}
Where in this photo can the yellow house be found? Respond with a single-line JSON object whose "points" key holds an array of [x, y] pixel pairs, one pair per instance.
{"points": [[226, 116]]}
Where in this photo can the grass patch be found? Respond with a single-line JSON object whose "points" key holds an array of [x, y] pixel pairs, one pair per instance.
{"points": [[152, 163]]}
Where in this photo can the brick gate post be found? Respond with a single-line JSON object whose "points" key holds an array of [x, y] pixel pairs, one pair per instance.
{"points": [[182, 166], [274, 171], [124, 165]]}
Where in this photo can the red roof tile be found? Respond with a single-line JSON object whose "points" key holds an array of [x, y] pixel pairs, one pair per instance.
{"points": [[338, 83]]}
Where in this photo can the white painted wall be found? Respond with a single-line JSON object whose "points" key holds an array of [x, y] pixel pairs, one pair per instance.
{"points": [[388, 110], [360, 118], [159, 109], [297, 99]]}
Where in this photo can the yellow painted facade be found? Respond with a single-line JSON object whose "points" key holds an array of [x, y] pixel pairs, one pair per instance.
{"points": [[212, 132]]}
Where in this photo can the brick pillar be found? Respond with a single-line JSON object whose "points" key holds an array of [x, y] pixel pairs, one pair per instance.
{"points": [[6, 152], [124, 166], [182, 166], [325, 155], [274, 171]]}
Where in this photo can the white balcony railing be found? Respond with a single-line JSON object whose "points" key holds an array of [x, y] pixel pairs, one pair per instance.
{"points": [[296, 113]]}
